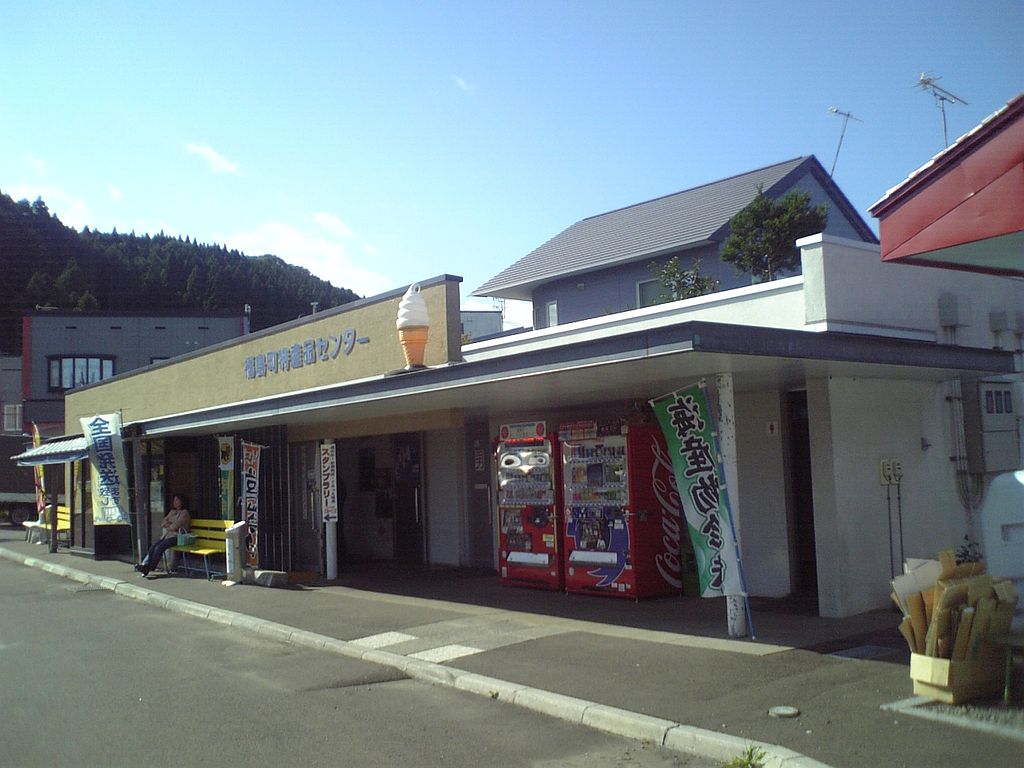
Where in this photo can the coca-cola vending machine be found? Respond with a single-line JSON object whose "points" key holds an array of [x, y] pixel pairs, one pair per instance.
{"points": [[621, 513], [528, 526]]}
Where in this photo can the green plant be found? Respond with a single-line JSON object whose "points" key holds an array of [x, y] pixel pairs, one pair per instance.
{"points": [[678, 283], [751, 757]]}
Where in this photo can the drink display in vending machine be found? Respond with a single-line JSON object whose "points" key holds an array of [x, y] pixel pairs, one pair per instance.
{"points": [[621, 516], [528, 527]]}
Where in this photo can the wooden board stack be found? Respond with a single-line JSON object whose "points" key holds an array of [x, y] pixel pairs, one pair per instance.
{"points": [[949, 610]]}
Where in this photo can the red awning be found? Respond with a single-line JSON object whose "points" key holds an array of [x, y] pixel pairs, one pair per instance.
{"points": [[965, 208]]}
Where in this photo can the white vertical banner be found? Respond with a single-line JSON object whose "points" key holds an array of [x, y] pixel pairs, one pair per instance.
{"points": [[251, 500], [108, 469], [329, 481]]}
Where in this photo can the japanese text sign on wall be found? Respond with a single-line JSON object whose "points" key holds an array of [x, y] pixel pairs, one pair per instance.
{"points": [[329, 481], [109, 470], [687, 425], [302, 354]]}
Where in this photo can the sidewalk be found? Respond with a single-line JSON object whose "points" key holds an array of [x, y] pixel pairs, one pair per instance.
{"points": [[662, 670]]}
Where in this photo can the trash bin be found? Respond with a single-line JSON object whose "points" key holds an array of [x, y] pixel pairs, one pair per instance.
{"points": [[234, 549]]}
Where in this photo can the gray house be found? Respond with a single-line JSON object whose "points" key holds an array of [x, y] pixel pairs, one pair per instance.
{"points": [[62, 350], [601, 265]]}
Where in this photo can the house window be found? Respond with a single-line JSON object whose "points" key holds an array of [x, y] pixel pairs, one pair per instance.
{"points": [[12, 418], [551, 311], [70, 372], [648, 293]]}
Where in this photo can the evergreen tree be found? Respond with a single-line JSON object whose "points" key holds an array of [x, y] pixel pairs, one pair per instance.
{"points": [[762, 238]]}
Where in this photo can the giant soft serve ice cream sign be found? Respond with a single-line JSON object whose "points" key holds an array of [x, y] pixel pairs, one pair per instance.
{"points": [[413, 325]]}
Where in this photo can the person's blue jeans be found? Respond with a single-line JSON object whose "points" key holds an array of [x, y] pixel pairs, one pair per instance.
{"points": [[152, 558]]}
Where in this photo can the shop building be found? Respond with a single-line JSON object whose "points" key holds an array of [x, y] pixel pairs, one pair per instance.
{"points": [[847, 388], [827, 373]]}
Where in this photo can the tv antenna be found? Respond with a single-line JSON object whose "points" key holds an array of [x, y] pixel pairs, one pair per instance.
{"points": [[928, 83], [847, 117]]}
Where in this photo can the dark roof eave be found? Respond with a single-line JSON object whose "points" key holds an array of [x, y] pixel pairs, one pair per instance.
{"points": [[699, 336]]}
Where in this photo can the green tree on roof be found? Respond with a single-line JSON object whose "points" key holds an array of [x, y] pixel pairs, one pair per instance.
{"points": [[762, 237]]}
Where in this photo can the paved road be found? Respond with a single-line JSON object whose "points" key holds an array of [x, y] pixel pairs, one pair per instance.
{"points": [[88, 678]]}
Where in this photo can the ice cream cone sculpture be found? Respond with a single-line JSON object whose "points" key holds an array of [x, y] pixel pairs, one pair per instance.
{"points": [[413, 326]]}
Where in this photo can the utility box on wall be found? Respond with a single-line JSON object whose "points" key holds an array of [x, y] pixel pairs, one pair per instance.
{"points": [[990, 426]]}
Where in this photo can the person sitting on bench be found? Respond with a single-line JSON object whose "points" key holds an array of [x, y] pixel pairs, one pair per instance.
{"points": [[177, 519]]}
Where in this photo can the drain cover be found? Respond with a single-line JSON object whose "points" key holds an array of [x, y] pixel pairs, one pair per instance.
{"points": [[784, 712]]}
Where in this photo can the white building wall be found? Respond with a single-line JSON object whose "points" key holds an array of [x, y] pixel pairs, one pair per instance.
{"points": [[854, 424], [445, 495], [847, 287]]}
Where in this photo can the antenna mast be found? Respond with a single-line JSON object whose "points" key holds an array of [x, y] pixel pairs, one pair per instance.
{"points": [[928, 83], [847, 117]]}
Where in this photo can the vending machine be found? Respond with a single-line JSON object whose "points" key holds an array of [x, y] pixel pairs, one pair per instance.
{"points": [[528, 525], [621, 516]]}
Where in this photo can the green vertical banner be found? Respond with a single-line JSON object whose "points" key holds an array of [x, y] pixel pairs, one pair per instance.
{"points": [[686, 421], [226, 477]]}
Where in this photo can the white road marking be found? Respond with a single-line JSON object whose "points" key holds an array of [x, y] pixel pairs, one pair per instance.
{"points": [[383, 640], [445, 653]]}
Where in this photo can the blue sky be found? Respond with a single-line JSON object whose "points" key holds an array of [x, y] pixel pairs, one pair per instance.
{"points": [[377, 143]]}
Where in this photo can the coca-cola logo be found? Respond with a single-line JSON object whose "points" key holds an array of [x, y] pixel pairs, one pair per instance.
{"points": [[663, 480]]}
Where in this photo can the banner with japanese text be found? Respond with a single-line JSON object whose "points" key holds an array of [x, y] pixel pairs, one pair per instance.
{"points": [[686, 421], [329, 482], [109, 471], [251, 500], [226, 477]]}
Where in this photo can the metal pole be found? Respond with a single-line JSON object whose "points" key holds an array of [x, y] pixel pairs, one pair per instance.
{"points": [[740, 624], [51, 483]]}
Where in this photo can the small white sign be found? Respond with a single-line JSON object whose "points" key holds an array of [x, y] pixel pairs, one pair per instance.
{"points": [[329, 482]]}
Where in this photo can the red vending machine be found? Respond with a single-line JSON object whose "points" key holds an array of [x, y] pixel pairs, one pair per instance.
{"points": [[621, 517], [528, 527]]}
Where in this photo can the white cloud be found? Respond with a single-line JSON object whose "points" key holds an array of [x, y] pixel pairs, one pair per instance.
{"points": [[332, 225], [217, 162], [464, 85], [37, 164], [322, 254], [115, 194]]}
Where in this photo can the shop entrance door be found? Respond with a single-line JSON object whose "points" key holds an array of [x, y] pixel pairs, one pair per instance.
{"points": [[480, 512], [307, 520], [409, 499], [805, 572]]}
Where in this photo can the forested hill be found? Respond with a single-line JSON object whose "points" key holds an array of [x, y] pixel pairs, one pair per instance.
{"points": [[43, 262]]}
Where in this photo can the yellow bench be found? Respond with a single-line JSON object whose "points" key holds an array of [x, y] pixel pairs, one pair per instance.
{"points": [[41, 527], [210, 541]]}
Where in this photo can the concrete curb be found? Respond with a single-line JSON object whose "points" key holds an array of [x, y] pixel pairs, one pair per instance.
{"points": [[618, 722]]}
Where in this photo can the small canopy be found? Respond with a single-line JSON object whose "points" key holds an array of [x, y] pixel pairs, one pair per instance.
{"points": [[54, 452]]}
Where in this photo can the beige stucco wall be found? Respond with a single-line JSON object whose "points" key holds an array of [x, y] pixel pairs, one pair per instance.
{"points": [[219, 376]]}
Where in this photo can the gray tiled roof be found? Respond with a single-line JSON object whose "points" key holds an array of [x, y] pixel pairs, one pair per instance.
{"points": [[656, 226]]}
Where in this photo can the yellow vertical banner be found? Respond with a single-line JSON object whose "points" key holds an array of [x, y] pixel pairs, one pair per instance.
{"points": [[38, 474], [226, 476]]}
